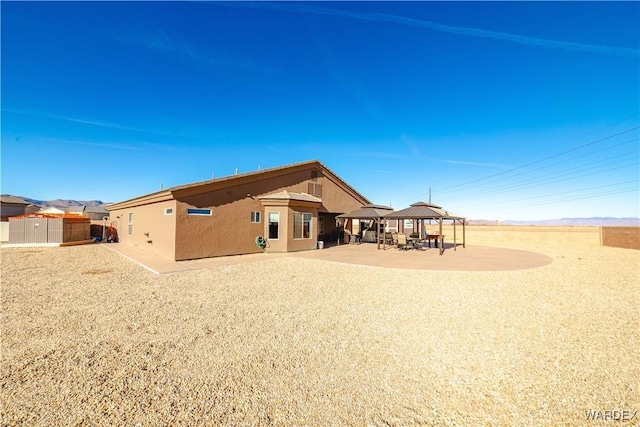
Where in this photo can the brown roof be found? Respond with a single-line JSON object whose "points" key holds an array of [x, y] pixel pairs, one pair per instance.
{"points": [[12, 199], [422, 210], [203, 186], [368, 212]]}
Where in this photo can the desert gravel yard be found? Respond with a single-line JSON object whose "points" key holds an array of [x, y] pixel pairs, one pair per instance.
{"points": [[90, 338]]}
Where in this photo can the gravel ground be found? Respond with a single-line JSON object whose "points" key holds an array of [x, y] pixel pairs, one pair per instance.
{"points": [[89, 338]]}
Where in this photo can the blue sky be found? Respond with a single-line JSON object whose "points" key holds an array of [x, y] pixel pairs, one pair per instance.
{"points": [[506, 110]]}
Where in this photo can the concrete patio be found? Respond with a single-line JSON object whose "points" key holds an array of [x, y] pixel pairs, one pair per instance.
{"points": [[471, 258]]}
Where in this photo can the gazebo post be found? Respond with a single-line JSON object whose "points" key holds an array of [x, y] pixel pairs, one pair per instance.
{"points": [[464, 241], [384, 236], [378, 239], [454, 236], [441, 237]]}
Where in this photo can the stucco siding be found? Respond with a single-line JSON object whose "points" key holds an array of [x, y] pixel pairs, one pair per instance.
{"points": [[152, 230], [279, 244], [335, 199], [4, 231], [227, 231]]}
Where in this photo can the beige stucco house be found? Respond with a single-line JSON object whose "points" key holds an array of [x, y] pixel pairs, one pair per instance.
{"points": [[9, 206], [292, 207]]}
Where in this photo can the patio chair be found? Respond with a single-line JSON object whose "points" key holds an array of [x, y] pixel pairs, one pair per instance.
{"points": [[402, 242], [421, 245], [388, 239]]}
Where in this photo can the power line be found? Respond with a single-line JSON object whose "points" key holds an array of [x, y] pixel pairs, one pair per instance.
{"points": [[546, 180], [475, 181], [562, 200], [575, 191], [558, 163]]}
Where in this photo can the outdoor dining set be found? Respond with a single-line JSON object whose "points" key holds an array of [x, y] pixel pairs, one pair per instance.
{"points": [[409, 243], [374, 222]]}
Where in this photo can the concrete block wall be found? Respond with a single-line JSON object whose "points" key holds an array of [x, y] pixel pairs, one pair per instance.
{"points": [[620, 237]]}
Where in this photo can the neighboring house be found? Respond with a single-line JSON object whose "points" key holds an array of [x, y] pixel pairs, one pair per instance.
{"points": [[57, 210], [9, 206], [292, 207], [96, 213], [53, 210]]}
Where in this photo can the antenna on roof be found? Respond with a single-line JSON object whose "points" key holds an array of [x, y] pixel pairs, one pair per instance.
{"points": [[236, 171], [258, 167]]}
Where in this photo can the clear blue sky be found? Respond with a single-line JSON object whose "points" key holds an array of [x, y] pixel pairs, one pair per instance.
{"points": [[507, 110]]}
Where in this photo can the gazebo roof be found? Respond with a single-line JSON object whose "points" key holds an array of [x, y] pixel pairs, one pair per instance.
{"points": [[367, 212], [422, 210]]}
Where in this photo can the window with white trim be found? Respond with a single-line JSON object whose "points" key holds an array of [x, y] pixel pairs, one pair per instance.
{"points": [[200, 212], [168, 211], [130, 223], [302, 225], [255, 217]]}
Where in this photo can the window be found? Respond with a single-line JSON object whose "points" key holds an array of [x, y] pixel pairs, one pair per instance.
{"points": [[255, 217], [205, 212], [168, 211], [314, 189], [131, 224], [302, 225], [274, 222]]}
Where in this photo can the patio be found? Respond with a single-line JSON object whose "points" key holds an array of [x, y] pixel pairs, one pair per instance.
{"points": [[472, 258]]}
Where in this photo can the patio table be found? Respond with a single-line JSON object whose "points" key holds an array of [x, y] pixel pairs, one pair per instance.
{"points": [[434, 237]]}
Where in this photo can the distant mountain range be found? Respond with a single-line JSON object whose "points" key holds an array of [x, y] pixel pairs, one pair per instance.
{"points": [[567, 222], [64, 202]]}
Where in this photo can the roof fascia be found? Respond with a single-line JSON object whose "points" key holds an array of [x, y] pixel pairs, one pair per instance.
{"points": [[235, 180], [160, 196]]}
